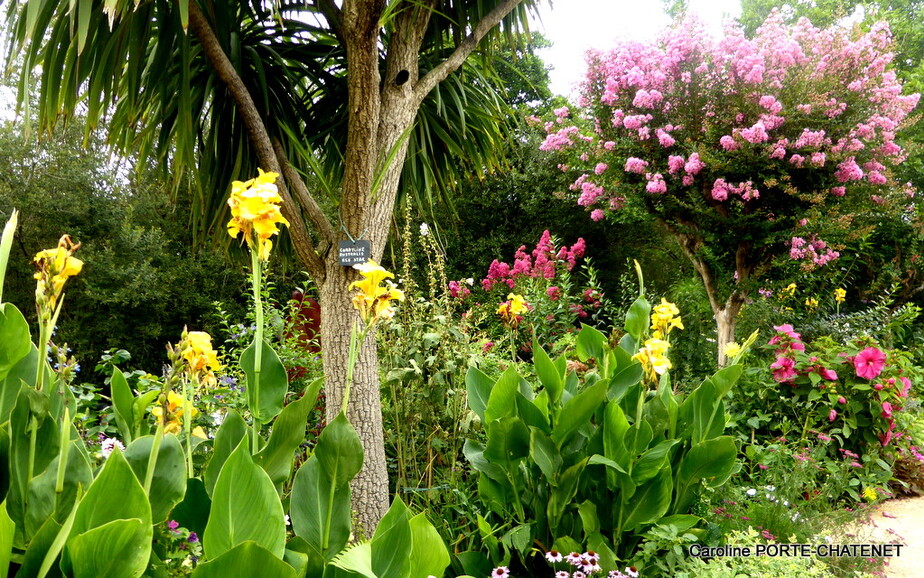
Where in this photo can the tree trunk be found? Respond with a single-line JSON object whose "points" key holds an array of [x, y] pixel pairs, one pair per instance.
{"points": [[364, 411], [726, 318]]}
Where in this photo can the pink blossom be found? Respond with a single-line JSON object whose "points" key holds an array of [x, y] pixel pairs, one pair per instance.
{"points": [[828, 374], [694, 164], [832, 415], [906, 387], [719, 190], [600, 168], [869, 363], [597, 215], [838, 191], [783, 369], [842, 400], [636, 165], [675, 164], [665, 139], [756, 134], [886, 409], [848, 170], [656, 185], [728, 143], [553, 293]]}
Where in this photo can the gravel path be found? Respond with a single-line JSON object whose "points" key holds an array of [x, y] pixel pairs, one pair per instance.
{"points": [[901, 522]]}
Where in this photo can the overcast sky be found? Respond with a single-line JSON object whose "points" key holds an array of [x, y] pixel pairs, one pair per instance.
{"points": [[576, 25]]}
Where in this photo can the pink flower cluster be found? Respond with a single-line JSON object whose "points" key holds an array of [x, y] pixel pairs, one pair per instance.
{"points": [[810, 110], [543, 262], [814, 250]]}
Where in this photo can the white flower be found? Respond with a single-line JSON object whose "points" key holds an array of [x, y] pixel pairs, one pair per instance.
{"points": [[751, 492], [424, 229], [470, 281], [108, 444], [554, 556]]}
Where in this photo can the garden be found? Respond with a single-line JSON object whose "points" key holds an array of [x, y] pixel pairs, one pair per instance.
{"points": [[669, 328]]}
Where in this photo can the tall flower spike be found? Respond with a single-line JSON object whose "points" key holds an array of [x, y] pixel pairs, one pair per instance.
{"points": [[55, 267], [255, 212]]}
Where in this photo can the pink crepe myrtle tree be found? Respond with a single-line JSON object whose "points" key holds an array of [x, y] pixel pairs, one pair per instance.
{"points": [[748, 151]]}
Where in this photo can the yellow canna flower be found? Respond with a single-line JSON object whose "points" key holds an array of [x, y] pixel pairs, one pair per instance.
{"points": [[512, 309], [788, 291], [55, 267], [255, 212], [840, 295], [373, 299], [811, 303], [869, 494], [173, 423], [198, 352], [653, 356], [664, 318]]}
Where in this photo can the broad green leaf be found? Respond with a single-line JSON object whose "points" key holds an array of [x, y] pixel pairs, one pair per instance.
{"points": [[550, 376], [391, 544], [530, 414], [545, 454], [519, 538], [193, 512], [474, 453], [339, 451], [229, 436], [502, 401], [122, 405], [140, 407], [650, 502], [15, 339], [651, 462], [680, 522], [589, 520], [245, 507], [246, 559], [478, 385], [638, 437], [615, 426], [578, 411], [496, 495], [508, 443], [41, 547], [7, 532], [117, 548], [563, 492], [44, 502], [99, 507], [288, 433], [46, 449], [726, 378], [590, 344], [597, 459], [357, 559], [712, 460], [429, 556], [637, 318], [265, 395], [624, 379], [320, 498], [168, 486]]}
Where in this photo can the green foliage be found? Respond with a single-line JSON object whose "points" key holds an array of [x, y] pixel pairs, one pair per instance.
{"points": [[596, 459]]}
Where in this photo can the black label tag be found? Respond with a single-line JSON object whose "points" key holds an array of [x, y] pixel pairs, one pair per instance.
{"points": [[354, 252]]}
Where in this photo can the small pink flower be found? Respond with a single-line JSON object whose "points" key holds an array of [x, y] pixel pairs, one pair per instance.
{"points": [[553, 293], [886, 410], [554, 556], [842, 400], [869, 363], [828, 374], [903, 392], [500, 572], [832, 415], [597, 215]]}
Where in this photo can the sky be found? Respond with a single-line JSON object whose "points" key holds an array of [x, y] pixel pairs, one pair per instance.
{"points": [[576, 25]]}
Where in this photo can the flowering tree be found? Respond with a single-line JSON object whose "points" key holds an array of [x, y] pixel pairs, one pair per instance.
{"points": [[746, 150]]}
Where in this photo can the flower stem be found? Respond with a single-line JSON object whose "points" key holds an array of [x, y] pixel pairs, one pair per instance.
{"points": [[65, 446], [187, 428], [257, 278], [152, 459]]}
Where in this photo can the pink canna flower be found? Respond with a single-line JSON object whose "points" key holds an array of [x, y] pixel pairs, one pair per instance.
{"points": [[869, 363]]}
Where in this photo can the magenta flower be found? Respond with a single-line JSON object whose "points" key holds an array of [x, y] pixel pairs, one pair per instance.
{"points": [[903, 392], [869, 363], [886, 410], [842, 400], [783, 369], [832, 415], [828, 374]]}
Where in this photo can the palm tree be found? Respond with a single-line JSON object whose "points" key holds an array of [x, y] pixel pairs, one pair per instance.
{"points": [[348, 92]]}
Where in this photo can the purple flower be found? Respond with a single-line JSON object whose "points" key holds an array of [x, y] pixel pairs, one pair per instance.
{"points": [[193, 538]]}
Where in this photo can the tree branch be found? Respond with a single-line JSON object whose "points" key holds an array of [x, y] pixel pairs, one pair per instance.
{"points": [[465, 48], [307, 202], [259, 138]]}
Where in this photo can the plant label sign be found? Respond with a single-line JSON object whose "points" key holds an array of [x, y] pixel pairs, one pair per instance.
{"points": [[354, 252]]}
